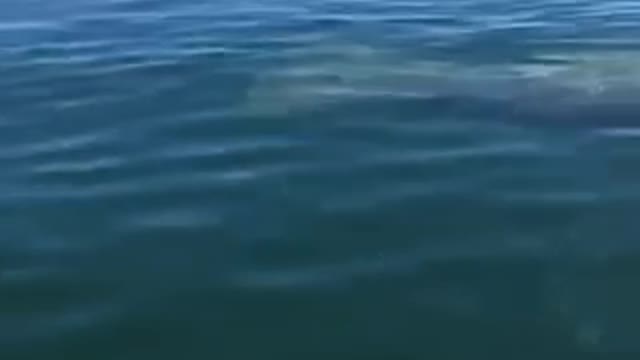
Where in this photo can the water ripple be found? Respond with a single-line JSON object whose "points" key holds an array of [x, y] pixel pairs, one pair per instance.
{"points": [[475, 159]]}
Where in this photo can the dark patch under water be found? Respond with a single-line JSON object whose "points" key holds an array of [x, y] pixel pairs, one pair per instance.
{"points": [[288, 179]]}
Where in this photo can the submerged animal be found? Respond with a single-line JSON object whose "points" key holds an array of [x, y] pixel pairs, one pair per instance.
{"points": [[560, 86]]}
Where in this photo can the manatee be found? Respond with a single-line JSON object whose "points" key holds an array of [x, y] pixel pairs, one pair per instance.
{"points": [[577, 87]]}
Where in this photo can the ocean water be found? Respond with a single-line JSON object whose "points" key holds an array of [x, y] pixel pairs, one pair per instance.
{"points": [[328, 179]]}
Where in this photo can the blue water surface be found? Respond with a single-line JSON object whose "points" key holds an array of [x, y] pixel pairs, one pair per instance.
{"points": [[328, 179]]}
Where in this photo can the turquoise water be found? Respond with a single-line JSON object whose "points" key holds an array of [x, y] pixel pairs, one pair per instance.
{"points": [[355, 179]]}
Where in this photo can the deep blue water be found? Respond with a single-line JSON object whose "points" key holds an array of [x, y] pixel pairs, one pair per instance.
{"points": [[354, 179]]}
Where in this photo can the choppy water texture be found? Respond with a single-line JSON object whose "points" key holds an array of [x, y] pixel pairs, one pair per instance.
{"points": [[355, 179]]}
